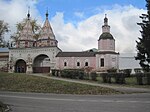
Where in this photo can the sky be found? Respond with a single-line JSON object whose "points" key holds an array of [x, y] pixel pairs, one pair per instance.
{"points": [[77, 23]]}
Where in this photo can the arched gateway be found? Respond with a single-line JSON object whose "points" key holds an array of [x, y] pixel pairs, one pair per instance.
{"points": [[41, 64], [34, 56], [20, 66]]}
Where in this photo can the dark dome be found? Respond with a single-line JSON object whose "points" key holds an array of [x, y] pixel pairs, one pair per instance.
{"points": [[106, 35]]}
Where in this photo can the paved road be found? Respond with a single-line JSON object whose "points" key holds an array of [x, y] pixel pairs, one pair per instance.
{"points": [[118, 88], [39, 102]]}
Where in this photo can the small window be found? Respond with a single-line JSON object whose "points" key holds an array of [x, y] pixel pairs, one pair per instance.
{"points": [[86, 64], [102, 62], [65, 63], [78, 63]]}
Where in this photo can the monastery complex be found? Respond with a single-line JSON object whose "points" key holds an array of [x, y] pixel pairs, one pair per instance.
{"points": [[41, 55]]}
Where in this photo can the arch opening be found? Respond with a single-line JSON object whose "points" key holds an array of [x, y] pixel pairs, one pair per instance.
{"points": [[41, 64], [20, 66]]}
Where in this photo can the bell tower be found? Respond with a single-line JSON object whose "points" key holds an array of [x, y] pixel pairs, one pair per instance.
{"points": [[106, 41]]}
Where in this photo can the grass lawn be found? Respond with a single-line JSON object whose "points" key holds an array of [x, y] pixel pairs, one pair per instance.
{"points": [[26, 83]]}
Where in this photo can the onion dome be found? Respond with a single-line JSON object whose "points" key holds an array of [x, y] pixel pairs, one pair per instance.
{"points": [[106, 35]]}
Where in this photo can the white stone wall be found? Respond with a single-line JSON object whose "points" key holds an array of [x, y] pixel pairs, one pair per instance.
{"points": [[3, 62], [72, 62], [106, 45], [110, 61], [16, 54]]}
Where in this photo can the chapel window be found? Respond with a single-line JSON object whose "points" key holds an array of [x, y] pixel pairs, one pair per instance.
{"points": [[86, 64], [102, 62]]}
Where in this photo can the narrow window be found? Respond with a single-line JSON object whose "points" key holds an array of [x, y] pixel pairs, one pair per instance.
{"points": [[65, 63], [78, 63], [102, 62], [86, 64]]}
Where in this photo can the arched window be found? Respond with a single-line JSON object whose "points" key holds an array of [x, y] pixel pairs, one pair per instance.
{"points": [[65, 63], [86, 64], [78, 63]]}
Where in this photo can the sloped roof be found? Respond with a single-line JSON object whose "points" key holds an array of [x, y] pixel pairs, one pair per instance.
{"points": [[83, 54], [75, 54], [47, 32], [27, 32], [106, 52], [4, 50]]}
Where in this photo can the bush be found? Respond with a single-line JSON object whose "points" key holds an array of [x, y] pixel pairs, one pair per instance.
{"points": [[93, 76], [139, 77], [119, 78], [148, 77], [106, 77], [127, 72], [55, 72], [81, 75], [112, 70], [72, 73]]}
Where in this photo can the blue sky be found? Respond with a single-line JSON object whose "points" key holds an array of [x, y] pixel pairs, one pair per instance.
{"points": [[77, 23], [88, 7]]}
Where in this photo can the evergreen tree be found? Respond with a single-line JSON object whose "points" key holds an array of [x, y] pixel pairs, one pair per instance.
{"points": [[143, 45]]}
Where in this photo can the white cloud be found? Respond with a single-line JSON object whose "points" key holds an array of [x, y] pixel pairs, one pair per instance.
{"points": [[85, 33], [14, 11], [79, 14]]}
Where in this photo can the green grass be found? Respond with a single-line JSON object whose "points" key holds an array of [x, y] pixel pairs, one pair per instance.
{"points": [[27, 83]]}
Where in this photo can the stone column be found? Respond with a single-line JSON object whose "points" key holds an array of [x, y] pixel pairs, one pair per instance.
{"points": [[29, 65], [29, 69]]}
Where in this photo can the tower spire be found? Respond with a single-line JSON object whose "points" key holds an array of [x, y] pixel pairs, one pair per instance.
{"points": [[46, 14], [28, 15], [105, 20], [106, 27]]}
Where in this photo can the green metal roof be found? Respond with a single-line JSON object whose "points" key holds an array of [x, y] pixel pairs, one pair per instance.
{"points": [[106, 35]]}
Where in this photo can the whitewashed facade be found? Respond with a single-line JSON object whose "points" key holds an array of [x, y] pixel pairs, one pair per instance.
{"points": [[30, 55], [42, 55], [106, 57]]}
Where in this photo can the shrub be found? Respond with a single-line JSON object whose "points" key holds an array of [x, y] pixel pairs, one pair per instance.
{"points": [[127, 72], [72, 73], [119, 78], [55, 72], [81, 75], [148, 78], [106, 77], [93, 76], [139, 77], [112, 70]]}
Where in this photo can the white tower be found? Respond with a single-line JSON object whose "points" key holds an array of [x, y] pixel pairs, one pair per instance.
{"points": [[106, 41]]}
